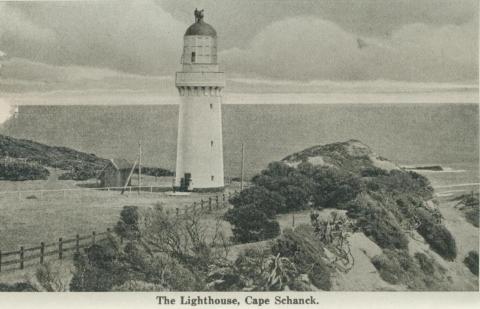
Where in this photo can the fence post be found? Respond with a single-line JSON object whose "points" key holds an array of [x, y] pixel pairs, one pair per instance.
{"points": [[93, 237], [77, 243], [201, 204], [194, 207], [60, 248], [186, 210], [109, 234], [210, 204], [176, 209], [42, 251], [0, 261], [21, 257], [223, 197]]}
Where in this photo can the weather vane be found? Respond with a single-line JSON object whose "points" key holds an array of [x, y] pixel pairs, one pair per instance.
{"points": [[198, 15]]}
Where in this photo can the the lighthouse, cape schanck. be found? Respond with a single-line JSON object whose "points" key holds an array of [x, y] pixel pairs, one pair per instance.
{"points": [[200, 83]]}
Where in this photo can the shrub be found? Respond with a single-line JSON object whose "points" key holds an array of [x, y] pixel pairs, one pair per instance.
{"points": [[128, 226], [154, 171], [50, 278], [19, 171], [426, 263], [307, 253], [473, 216], [251, 224], [373, 172], [17, 287], [377, 223], [471, 261], [418, 273], [261, 271], [263, 199], [436, 235], [96, 270], [389, 269]]}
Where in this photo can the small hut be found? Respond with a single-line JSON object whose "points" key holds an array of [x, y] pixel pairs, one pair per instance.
{"points": [[115, 173]]}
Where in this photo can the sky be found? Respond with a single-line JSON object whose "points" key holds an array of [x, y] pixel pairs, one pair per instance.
{"points": [[66, 50]]}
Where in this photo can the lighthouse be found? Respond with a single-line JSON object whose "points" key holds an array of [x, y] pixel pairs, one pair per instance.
{"points": [[200, 83]]}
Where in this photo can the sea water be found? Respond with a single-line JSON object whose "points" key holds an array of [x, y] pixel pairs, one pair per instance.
{"points": [[408, 134]]}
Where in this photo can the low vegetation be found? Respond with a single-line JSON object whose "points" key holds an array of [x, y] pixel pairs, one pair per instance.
{"points": [[20, 171], [152, 251], [419, 272], [78, 165], [468, 204], [471, 261], [386, 205], [155, 171]]}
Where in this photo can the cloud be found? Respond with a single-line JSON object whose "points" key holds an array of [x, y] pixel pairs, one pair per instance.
{"points": [[136, 37], [428, 40], [306, 48], [24, 76]]}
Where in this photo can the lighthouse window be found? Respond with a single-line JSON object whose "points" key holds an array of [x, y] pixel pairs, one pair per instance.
{"points": [[212, 177], [193, 57], [211, 106], [211, 144]]}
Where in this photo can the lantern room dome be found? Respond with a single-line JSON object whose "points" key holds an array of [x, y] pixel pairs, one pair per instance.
{"points": [[200, 27]]}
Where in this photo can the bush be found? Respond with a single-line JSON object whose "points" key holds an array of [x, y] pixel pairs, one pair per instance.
{"points": [[418, 273], [261, 271], [154, 171], [97, 270], [471, 261], [128, 226], [263, 199], [17, 287], [389, 269], [436, 235], [307, 253], [19, 171], [251, 224], [378, 223]]}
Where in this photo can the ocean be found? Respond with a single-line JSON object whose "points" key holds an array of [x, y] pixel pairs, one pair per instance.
{"points": [[408, 134]]}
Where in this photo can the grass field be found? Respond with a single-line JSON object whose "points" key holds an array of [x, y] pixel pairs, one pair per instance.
{"points": [[34, 218]]}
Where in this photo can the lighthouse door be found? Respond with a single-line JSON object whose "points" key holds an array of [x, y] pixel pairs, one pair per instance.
{"points": [[193, 57]]}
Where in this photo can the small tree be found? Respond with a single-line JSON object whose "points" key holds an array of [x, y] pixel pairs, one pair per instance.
{"points": [[251, 224]]}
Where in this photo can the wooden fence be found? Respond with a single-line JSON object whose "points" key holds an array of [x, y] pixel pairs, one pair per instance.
{"points": [[32, 256]]}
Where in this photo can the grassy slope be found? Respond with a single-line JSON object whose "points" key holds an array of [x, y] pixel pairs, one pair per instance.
{"points": [[51, 156]]}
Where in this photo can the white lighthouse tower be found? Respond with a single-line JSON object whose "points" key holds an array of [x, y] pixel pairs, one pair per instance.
{"points": [[200, 84]]}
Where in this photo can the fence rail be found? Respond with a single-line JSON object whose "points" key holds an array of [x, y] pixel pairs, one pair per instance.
{"points": [[37, 255]]}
